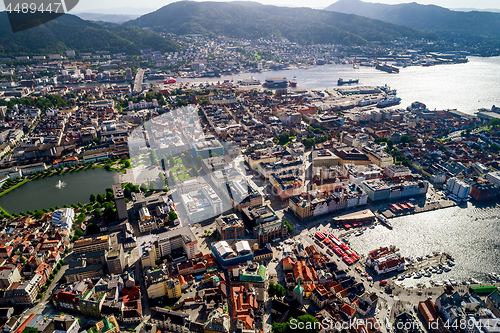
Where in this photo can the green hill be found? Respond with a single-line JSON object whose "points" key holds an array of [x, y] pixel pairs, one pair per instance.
{"points": [[253, 20], [69, 32], [430, 18]]}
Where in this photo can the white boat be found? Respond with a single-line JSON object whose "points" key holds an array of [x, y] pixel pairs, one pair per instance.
{"points": [[417, 275], [439, 271], [401, 277], [359, 233], [439, 283], [453, 282], [451, 263], [433, 271], [427, 274], [446, 268]]}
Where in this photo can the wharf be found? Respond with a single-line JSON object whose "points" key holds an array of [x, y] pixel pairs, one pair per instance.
{"points": [[420, 209], [462, 114]]}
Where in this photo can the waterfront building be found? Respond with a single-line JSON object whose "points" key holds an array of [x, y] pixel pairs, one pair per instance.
{"points": [[63, 218], [458, 187], [483, 190], [316, 203], [378, 189]]}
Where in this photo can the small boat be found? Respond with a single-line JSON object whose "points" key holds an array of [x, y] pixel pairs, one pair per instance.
{"points": [[359, 233], [446, 268], [438, 283], [401, 277], [453, 282], [293, 82], [427, 274], [350, 81], [439, 271], [417, 275], [451, 263]]}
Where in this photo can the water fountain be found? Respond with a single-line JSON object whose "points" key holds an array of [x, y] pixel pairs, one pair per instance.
{"points": [[60, 184]]}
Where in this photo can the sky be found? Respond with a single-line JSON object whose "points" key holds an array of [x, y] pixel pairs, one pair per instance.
{"points": [[93, 5], [142, 7]]}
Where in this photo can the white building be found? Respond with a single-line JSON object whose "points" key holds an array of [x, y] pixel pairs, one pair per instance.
{"points": [[63, 218], [458, 187]]}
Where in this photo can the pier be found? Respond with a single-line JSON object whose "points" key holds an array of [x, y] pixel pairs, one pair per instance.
{"points": [[420, 209]]}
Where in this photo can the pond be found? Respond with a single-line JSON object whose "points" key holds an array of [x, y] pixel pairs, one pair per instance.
{"points": [[42, 193]]}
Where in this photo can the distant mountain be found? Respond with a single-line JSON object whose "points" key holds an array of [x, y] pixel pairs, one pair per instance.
{"points": [[491, 10], [69, 32], [445, 22], [136, 11], [253, 20], [112, 18]]}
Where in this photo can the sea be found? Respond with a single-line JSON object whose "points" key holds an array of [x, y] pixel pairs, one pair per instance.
{"points": [[464, 87]]}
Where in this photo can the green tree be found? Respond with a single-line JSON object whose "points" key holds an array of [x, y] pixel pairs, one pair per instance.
{"points": [[284, 138], [30, 330], [38, 214], [271, 290], [289, 226], [280, 327], [280, 291], [78, 232], [172, 216], [92, 198], [495, 147], [405, 139], [97, 213]]}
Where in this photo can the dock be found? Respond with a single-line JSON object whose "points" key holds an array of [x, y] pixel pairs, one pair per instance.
{"points": [[420, 209]]}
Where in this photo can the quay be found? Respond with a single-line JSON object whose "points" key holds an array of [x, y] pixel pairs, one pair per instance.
{"points": [[420, 209]]}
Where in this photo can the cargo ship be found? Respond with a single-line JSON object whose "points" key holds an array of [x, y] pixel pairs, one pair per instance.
{"points": [[249, 82], [293, 82], [350, 81], [389, 102], [383, 220], [275, 83], [387, 68]]}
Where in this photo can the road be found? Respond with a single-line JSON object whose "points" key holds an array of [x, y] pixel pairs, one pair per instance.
{"points": [[139, 78]]}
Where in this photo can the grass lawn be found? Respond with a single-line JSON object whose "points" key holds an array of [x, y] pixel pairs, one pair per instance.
{"points": [[17, 185], [178, 161], [183, 176], [174, 169], [184, 168]]}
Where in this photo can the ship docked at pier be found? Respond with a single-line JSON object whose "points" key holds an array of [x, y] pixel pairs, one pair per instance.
{"points": [[279, 82], [387, 68], [389, 102]]}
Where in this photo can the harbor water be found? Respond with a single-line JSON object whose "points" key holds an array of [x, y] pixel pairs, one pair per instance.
{"points": [[468, 233], [465, 87]]}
